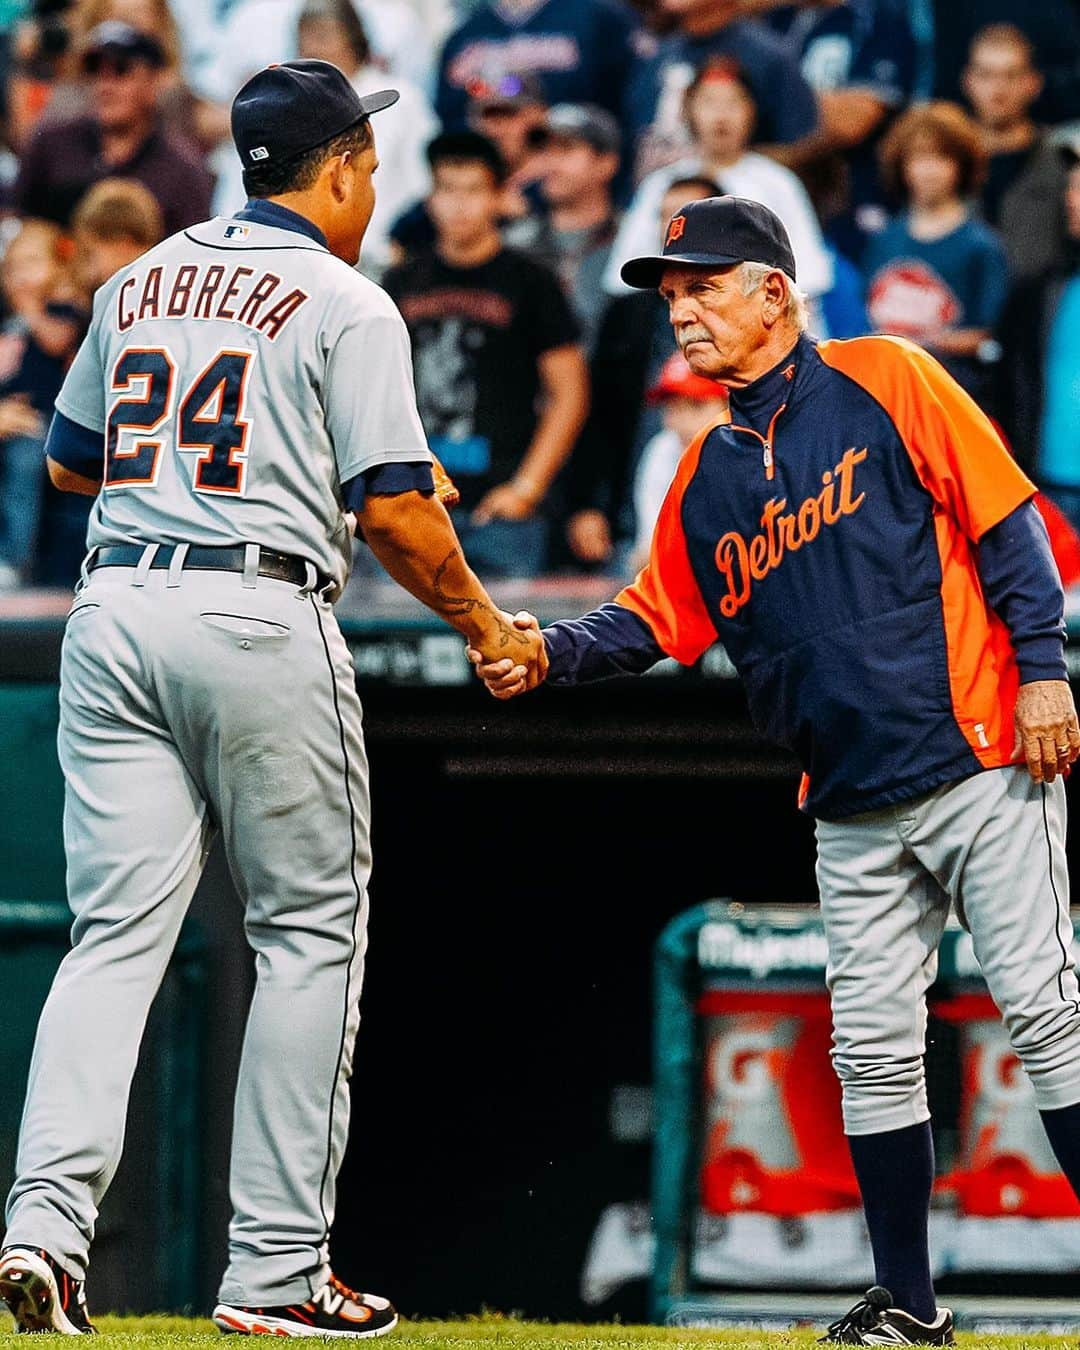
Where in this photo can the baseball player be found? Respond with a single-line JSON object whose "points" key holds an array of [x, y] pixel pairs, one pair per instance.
{"points": [[241, 390], [858, 538]]}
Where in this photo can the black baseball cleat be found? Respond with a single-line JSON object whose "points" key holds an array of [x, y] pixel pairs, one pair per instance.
{"points": [[42, 1296], [336, 1310], [873, 1322]]}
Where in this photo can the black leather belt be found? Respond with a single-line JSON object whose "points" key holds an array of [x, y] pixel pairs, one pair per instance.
{"points": [[199, 558]]}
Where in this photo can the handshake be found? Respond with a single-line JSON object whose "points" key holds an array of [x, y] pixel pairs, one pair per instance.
{"points": [[526, 666]]}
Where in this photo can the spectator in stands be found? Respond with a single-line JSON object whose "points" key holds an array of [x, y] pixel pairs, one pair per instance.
{"points": [[402, 43], [687, 403], [501, 381], [145, 16], [1023, 194], [720, 114], [331, 30], [859, 57], [937, 274], [1040, 333], [634, 342], [36, 343], [581, 50], [509, 112], [115, 223], [1053, 27], [573, 233], [175, 102], [121, 136], [786, 105]]}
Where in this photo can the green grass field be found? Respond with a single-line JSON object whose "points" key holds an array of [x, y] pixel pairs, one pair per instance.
{"points": [[504, 1333]]}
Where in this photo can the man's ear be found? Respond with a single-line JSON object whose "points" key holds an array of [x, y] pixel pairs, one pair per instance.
{"points": [[775, 299], [338, 170]]}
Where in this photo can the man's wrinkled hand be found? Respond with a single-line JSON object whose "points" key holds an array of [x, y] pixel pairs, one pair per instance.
{"points": [[1047, 729], [508, 676]]}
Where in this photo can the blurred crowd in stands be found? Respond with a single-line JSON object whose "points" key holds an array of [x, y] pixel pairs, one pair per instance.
{"points": [[922, 153]]}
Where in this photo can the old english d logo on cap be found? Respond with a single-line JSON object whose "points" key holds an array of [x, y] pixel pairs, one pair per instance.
{"points": [[675, 230], [716, 232]]}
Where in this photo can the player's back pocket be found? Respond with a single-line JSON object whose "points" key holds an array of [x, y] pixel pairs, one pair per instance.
{"points": [[245, 628]]}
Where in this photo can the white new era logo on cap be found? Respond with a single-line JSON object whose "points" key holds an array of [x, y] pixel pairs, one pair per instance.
{"points": [[260, 152]]}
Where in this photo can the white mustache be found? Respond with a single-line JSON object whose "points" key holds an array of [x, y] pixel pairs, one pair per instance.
{"points": [[689, 335]]}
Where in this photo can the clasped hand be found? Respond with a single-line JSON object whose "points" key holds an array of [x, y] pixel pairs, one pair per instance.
{"points": [[508, 676]]}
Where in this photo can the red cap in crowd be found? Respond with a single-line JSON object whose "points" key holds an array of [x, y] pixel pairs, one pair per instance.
{"points": [[677, 380]]}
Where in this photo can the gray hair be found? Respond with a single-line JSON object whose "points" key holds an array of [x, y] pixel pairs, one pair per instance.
{"points": [[752, 277]]}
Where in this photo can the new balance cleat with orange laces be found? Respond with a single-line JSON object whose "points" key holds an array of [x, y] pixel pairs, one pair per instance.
{"points": [[41, 1295], [336, 1310]]}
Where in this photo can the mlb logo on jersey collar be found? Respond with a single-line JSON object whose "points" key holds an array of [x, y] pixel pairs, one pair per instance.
{"points": [[237, 232]]}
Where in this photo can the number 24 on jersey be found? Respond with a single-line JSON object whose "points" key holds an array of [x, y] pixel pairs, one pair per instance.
{"points": [[209, 420]]}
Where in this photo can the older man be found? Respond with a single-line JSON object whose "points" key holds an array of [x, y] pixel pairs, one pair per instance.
{"points": [[858, 538], [121, 137]]}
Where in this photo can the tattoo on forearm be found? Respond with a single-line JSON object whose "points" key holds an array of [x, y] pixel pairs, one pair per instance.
{"points": [[450, 604], [456, 606]]}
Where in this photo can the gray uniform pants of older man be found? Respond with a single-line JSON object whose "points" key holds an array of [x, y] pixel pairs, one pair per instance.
{"points": [[993, 846]]}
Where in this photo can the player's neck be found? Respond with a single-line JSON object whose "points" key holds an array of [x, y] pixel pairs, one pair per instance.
{"points": [[469, 253], [307, 205]]}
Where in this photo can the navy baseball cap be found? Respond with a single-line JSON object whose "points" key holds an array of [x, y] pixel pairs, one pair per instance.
{"points": [[288, 109], [716, 232]]}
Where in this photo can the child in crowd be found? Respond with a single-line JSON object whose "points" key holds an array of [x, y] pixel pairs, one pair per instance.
{"points": [[115, 223], [37, 340], [721, 115], [937, 274], [689, 402]]}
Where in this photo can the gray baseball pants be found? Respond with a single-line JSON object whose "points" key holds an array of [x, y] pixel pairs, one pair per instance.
{"points": [[190, 703], [993, 845]]}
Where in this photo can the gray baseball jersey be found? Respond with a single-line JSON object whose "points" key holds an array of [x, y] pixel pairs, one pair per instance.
{"points": [[241, 373]]}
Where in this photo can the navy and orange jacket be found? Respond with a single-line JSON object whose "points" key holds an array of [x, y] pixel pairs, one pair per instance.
{"points": [[863, 545]]}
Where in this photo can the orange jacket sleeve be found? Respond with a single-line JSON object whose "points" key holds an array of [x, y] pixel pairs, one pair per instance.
{"points": [[956, 452]]}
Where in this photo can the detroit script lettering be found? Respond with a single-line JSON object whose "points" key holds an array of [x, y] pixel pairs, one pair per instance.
{"points": [[743, 562]]}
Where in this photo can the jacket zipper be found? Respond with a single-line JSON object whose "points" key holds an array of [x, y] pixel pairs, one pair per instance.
{"points": [[767, 442]]}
